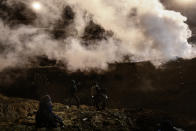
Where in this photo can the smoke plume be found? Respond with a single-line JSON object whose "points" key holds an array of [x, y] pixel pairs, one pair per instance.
{"points": [[133, 30]]}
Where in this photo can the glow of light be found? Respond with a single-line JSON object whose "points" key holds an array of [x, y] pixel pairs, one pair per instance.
{"points": [[36, 5]]}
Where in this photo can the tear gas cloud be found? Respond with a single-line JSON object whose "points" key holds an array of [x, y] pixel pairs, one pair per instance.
{"points": [[142, 31]]}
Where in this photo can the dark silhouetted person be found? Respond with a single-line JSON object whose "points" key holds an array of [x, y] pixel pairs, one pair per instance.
{"points": [[99, 97], [45, 117], [73, 92]]}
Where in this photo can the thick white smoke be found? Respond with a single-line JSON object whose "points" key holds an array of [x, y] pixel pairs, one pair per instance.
{"points": [[142, 31]]}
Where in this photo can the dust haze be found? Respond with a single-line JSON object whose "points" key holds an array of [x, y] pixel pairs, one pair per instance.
{"points": [[139, 31]]}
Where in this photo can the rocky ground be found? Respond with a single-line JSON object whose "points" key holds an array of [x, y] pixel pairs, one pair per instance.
{"points": [[17, 114]]}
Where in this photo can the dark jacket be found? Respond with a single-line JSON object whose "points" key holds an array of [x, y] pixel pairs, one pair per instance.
{"points": [[45, 117]]}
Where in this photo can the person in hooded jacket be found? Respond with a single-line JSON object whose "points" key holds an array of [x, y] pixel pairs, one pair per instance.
{"points": [[45, 117]]}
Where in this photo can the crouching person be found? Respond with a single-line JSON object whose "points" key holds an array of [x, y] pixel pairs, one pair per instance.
{"points": [[45, 118]]}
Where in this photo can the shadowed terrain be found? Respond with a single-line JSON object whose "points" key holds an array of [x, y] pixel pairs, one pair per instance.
{"points": [[19, 114], [169, 88]]}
